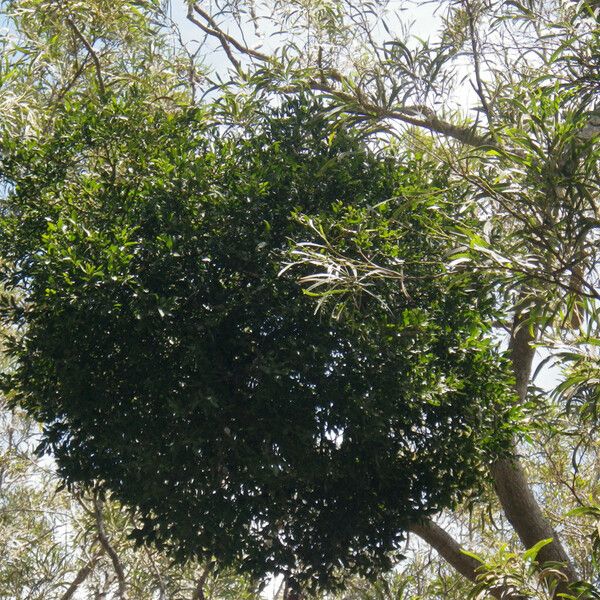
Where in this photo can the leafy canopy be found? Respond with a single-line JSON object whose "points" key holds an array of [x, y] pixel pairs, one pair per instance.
{"points": [[171, 364]]}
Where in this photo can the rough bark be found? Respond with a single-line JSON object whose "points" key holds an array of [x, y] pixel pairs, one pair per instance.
{"points": [[524, 514], [510, 481]]}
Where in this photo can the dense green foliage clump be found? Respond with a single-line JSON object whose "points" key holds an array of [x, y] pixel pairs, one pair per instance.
{"points": [[173, 365]]}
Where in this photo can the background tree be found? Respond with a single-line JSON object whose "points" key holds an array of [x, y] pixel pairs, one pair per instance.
{"points": [[57, 52]]}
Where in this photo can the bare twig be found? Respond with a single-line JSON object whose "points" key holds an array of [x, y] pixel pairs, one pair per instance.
{"points": [[479, 88], [227, 41]]}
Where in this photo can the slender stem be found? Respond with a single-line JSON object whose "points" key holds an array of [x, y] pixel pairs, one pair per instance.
{"points": [[81, 576], [161, 584], [69, 85], [104, 541], [91, 52], [479, 88]]}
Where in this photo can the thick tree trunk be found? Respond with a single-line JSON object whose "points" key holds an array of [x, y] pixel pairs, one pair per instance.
{"points": [[510, 481], [524, 514]]}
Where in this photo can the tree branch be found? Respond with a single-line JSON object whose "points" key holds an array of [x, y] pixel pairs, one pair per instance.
{"points": [[228, 39], [199, 591], [81, 576], [91, 52], [449, 549], [510, 480], [104, 541], [161, 584], [429, 121], [69, 85], [513, 490], [217, 33]]}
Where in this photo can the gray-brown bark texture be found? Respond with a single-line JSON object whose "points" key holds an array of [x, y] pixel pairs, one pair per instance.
{"points": [[514, 492], [510, 481]]}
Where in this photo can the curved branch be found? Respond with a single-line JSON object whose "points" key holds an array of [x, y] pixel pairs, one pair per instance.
{"points": [[216, 31]]}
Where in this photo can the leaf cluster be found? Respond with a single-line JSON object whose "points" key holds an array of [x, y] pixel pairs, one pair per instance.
{"points": [[171, 364]]}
